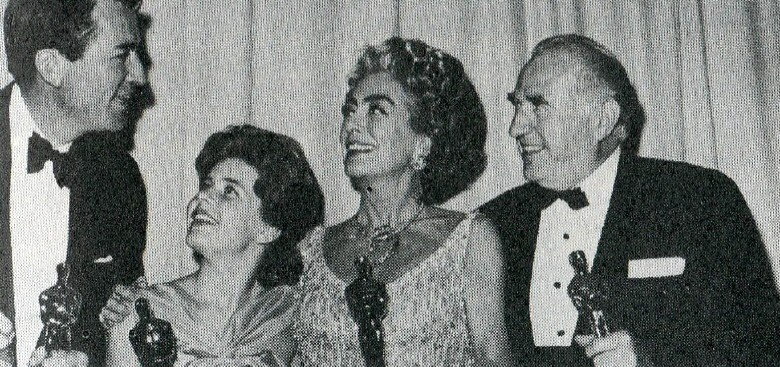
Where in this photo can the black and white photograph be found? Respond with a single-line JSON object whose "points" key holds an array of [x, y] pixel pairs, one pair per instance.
{"points": [[389, 183]]}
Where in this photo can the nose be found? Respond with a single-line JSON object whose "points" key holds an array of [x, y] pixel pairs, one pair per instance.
{"points": [[201, 198], [522, 121], [351, 125], [136, 72]]}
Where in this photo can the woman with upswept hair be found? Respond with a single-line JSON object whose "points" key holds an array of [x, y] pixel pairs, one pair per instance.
{"points": [[404, 282]]}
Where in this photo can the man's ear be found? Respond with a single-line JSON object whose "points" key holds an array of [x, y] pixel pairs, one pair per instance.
{"points": [[607, 118], [51, 66], [268, 234]]}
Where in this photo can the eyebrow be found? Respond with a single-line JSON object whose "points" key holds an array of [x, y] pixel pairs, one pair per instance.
{"points": [[377, 98], [125, 46], [536, 99]]}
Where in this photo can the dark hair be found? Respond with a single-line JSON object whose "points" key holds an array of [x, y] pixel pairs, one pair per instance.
{"points": [[34, 25], [291, 197], [447, 110], [605, 66]]}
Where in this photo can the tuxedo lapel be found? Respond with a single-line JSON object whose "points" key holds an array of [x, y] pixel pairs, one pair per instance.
{"points": [[517, 222], [6, 270], [612, 253]]}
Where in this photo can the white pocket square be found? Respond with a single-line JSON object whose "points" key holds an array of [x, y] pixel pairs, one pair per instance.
{"points": [[104, 260], [656, 268]]}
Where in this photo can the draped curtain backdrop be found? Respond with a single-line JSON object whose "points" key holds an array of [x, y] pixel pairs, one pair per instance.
{"points": [[707, 73]]}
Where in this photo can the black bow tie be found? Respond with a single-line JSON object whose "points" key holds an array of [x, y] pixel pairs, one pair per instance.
{"points": [[575, 198], [39, 151]]}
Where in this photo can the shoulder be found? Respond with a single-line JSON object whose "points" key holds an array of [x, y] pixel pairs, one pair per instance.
{"points": [[483, 250], [99, 151], [680, 181], [677, 171], [507, 201], [311, 245]]}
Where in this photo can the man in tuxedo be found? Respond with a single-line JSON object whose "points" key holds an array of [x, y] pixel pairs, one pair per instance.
{"points": [[68, 193], [686, 274]]}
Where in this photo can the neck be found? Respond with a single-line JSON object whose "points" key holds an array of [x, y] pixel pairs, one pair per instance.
{"points": [[222, 282], [390, 201], [53, 119], [576, 172]]}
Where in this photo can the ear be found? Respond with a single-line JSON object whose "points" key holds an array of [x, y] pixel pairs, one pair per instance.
{"points": [[607, 118], [423, 145], [268, 233], [51, 66]]}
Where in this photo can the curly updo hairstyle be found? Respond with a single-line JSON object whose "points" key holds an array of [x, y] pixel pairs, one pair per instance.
{"points": [[447, 110], [292, 200]]}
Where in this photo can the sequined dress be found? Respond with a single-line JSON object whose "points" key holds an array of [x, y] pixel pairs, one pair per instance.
{"points": [[426, 324]]}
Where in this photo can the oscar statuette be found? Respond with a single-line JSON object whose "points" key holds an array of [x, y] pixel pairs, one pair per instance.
{"points": [[588, 292], [367, 302], [60, 308], [153, 340]]}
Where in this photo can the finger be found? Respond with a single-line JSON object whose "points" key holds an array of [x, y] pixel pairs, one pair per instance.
{"points": [[617, 340], [117, 307], [38, 356], [614, 359], [6, 325], [109, 320], [123, 293], [584, 340]]}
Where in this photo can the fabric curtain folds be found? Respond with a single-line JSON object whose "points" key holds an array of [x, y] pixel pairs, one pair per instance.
{"points": [[707, 72]]}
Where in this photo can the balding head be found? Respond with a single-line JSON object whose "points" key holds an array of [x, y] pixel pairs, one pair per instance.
{"points": [[598, 69]]}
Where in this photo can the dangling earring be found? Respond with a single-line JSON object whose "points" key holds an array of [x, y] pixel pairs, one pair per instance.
{"points": [[418, 162]]}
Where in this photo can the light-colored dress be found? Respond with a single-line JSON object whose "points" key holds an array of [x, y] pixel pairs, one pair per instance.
{"points": [[250, 338], [426, 323]]}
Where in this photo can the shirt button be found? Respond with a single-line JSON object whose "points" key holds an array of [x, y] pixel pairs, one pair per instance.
{"points": [[561, 332], [565, 236], [557, 284]]}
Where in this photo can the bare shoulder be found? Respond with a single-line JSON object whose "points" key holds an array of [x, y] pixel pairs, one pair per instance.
{"points": [[483, 230], [483, 253]]}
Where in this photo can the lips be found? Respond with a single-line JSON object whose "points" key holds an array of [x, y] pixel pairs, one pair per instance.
{"points": [[200, 216], [530, 149], [526, 146]]}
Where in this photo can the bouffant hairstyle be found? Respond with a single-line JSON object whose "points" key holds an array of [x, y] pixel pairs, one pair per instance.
{"points": [[447, 109], [34, 25], [607, 69], [292, 200]]}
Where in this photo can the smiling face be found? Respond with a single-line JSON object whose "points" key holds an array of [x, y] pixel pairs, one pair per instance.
{"points": [[558, 121], [376, 132], [99, 87], [225, 215]]}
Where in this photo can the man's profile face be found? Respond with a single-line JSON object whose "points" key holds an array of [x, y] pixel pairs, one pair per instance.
{"points": [[99, 87], [555, 124]]}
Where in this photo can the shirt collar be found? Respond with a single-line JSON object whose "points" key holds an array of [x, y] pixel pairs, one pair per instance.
{"points": [[22, 123], [599, 184]]}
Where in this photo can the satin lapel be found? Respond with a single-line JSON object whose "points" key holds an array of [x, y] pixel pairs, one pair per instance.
{"points": [[6, 266], [612, 253], [519, 223]]}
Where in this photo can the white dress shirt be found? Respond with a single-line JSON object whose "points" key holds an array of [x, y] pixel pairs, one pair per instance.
{"points": [[561, 231], [39, 228]]}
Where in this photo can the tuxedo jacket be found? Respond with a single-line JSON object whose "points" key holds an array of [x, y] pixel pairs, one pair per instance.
{"points": [[722, 309], [107, 227]]}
